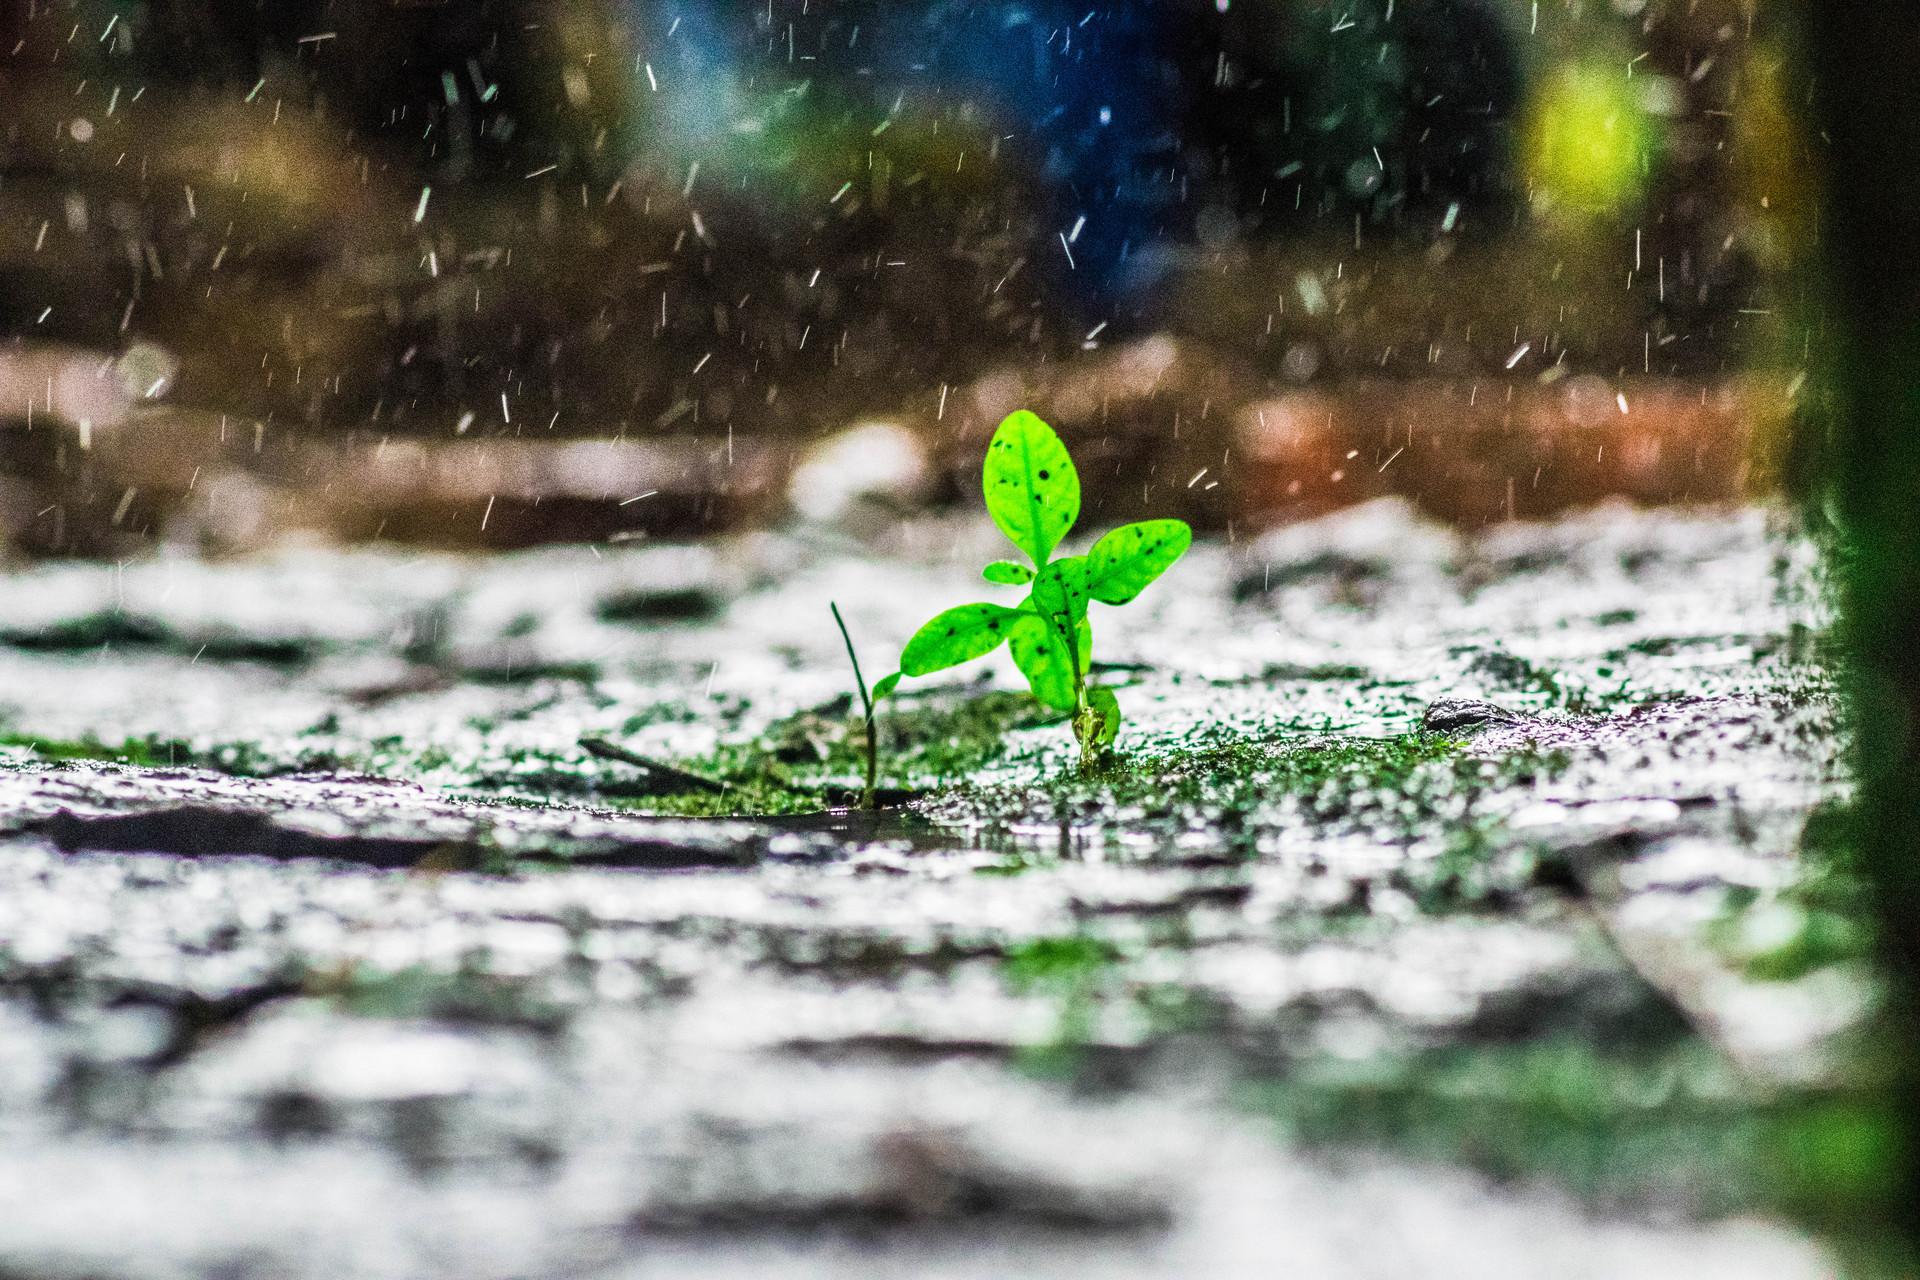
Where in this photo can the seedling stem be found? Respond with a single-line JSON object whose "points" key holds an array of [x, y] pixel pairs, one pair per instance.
{"points": [[866, 703]]}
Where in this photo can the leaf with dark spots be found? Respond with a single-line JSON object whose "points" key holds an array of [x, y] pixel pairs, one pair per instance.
{"points": [[956, 636], [1126, 560], [1031, 487]]}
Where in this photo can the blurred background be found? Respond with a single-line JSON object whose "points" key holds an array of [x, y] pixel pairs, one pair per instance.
{"points": [[1430, 281], [504, 272]]}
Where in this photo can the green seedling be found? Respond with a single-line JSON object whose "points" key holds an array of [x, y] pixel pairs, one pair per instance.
{"points": [[866, 705], [1033, 495]]}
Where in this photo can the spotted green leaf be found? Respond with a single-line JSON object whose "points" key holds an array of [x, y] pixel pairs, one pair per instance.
{"points": [[1127, 559], [957, 636], [1031, 487], [1040, 651], [1007, 573], [1107, 707], [1061, 588]]}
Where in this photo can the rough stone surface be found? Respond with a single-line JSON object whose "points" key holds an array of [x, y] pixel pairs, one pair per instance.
{"points": [[263, 1014]]}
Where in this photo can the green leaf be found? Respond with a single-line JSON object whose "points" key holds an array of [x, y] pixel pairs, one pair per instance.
{"points": [[956, 636], [1032, 490], [1057, 607], [1060, 589], [1040, 651], [1007, 573], [885, 685], [1127, 559], [1107, 707]]}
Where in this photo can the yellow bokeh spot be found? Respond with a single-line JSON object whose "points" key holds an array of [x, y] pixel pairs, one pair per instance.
{"points": [[1588, 138]]}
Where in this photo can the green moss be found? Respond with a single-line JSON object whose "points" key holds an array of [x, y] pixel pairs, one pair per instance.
{"points": [[287, 651], [1335, 773], [1823, 918], [240, 759], [814, 758], [117, 629], [92, 631], [761, 797], [1784, 940], [1071, 970], [466, 995], [1245, 783], [1670, 1127], [1017, 862], [668, 604], [664, 712], [924, 744], [1219, 776], [1471, 871], [1237, 781], [1067, 961], [147, 753]]}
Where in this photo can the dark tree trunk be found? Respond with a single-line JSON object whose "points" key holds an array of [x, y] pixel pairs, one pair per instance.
{"points": [[1864, 55]]}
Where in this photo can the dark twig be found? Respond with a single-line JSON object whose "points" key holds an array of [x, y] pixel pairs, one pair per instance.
{"points": [[665, 776]]}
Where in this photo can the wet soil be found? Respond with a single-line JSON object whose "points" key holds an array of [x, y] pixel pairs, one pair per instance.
{"points": [[1453, 908]]}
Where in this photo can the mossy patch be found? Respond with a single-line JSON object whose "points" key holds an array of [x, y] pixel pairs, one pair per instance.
{"points": [[1824, 917], [813, 759], [1668, 1127], [118, 629], [1067, 961], [460, 995], [238, 759], [145, 753], [1227, 778], [967, 759], [1249, 784]]}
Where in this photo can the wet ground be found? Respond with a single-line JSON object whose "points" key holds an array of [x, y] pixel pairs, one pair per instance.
{"points": [[1445, 915]]}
